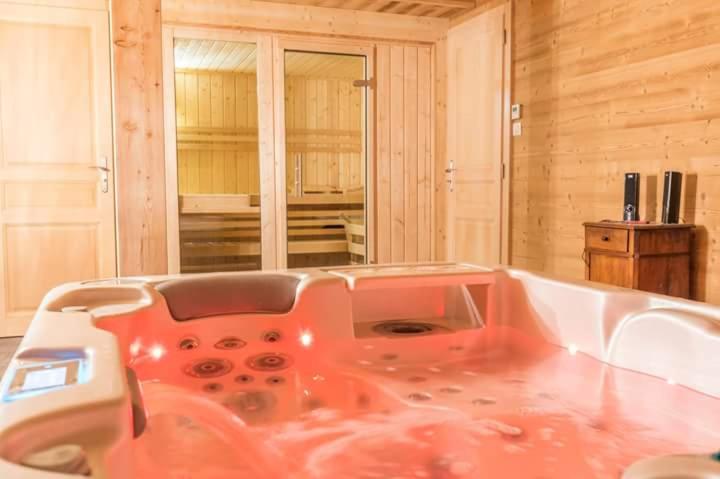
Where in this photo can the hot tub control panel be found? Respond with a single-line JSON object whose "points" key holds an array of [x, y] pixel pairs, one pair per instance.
{"points": [[35, 378]]}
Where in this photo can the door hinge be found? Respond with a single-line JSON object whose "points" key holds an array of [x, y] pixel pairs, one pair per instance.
{"points": [[504, 36], [503, 171]]}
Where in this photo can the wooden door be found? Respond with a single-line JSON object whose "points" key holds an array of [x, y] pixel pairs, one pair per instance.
{"points": [[56, 211], [474, 169]]}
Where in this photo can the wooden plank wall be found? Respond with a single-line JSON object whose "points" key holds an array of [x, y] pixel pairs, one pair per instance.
{"points": [[404, 152], [140, 160], [608, 87], [217, 104], [217, 132], [323, 120]]}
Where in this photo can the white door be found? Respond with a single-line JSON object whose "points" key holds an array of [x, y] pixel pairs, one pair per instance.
{"points": [[56, 190], [474, 169]]}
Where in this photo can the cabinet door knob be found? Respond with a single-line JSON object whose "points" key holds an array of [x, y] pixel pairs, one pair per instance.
{"points": [[605, 238]]}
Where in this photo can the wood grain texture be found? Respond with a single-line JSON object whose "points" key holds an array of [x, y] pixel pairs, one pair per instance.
{"points": [[404, 191], [57, 216], [425, 8], [653, 258], [138, 113], [604, 94], [304, 20]]}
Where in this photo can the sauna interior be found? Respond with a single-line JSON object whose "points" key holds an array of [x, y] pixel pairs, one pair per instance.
{"points": [[218, 165]]}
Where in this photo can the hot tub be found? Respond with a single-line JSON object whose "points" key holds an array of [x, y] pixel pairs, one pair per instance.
{"points": [[409, 371]]}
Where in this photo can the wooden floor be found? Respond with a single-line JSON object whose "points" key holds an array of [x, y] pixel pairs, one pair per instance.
{"points": [[7, 349]]}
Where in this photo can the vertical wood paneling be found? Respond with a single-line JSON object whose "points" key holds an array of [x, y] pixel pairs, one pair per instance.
{"points": [[404, 155], [604, 94], [397, 154], [217, 100], [439, 162], [140, 161], [410, 152], [424, 144], [384, 221]]}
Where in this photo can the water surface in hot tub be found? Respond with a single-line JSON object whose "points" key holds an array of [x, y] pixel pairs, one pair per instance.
{"points": [[471, 404]]}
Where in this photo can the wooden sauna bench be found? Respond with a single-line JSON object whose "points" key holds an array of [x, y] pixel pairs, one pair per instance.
{"points": [[222, 232]]}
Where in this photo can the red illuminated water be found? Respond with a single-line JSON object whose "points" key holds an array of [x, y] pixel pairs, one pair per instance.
{"points": [[474, 406]]}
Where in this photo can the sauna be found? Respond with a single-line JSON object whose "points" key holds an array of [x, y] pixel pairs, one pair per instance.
{"points": [[218, 165]]}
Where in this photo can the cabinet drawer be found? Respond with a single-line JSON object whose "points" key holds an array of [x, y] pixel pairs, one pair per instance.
{"points": [[608, 239]]}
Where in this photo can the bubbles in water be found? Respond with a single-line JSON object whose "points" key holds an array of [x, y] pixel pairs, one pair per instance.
{"points": [[451, 390], [502, 428], [251, 406], [420, 396]]}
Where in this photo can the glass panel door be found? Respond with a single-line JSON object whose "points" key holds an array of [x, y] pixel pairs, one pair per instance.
{"points": [[325, 123], [217, 155]]}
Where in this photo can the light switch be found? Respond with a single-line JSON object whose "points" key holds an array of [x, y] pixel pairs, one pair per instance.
{"points": [[516, 111], [517, 128]]}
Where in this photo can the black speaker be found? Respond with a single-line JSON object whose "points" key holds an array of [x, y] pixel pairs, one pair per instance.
{"points": [[632, 197], [671, 197]]}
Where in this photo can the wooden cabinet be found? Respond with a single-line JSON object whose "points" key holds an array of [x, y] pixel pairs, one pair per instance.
{"points": [[649, 257]]}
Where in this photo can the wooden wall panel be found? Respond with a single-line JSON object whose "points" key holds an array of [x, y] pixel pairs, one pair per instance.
{"points": [[323, 121], [605, 93], [140, 160], [217, 133], [404, 95]]}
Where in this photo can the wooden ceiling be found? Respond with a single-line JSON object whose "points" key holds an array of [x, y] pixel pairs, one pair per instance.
{"points": [[221, 56], [423, 8]]}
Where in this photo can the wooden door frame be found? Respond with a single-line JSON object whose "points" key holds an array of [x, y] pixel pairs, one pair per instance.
{"points": [[506, 143], [506, 137], [281, 43], [266, 153]]}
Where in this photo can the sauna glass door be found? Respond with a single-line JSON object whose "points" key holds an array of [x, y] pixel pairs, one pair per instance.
{"points": [[325, 132], [218, 180]]}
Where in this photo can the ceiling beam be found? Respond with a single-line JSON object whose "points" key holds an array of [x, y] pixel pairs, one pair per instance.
{"points": [[459, 4], [464, 4]]}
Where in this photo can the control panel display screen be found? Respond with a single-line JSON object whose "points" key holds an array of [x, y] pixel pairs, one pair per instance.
{"points": [[45, 378], [41, 377]]}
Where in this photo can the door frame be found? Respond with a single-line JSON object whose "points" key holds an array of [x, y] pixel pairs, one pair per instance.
{"points": [[266, 153], [282, 43], [505, 140]]}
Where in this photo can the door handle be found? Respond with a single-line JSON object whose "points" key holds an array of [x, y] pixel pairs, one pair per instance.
{"points": [[450, 171], [102, 168]]}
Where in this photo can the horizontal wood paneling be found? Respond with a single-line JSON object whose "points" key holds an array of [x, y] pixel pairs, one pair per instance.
{"points": [[608, 87]]}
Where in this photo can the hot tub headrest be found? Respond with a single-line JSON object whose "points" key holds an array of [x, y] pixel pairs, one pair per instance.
{"points": [[200, 297]]}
